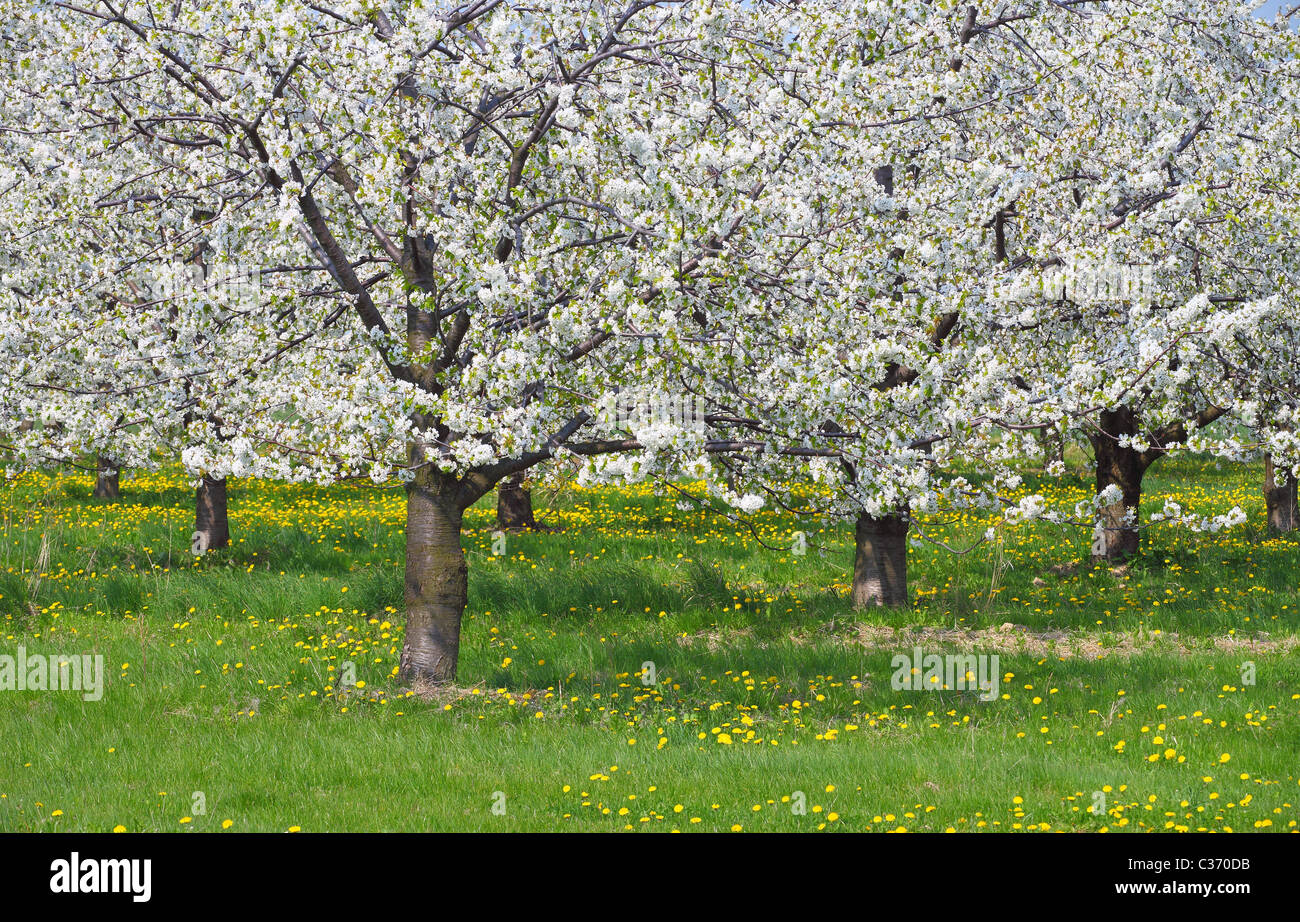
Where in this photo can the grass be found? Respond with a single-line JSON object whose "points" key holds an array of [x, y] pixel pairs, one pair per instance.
{"points": [[1123, 689]]}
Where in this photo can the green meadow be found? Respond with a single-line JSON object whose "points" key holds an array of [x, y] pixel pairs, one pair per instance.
{"points": [[640, 666]]}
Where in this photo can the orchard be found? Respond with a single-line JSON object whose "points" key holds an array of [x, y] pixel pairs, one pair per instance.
{"points": [[606, 395]]}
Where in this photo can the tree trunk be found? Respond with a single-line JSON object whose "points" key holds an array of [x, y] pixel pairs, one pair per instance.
{"points": [[437, 581], [1123, 467], [514, 504], [1283, 514], [880, 562], [107, 485], [211, 525]]}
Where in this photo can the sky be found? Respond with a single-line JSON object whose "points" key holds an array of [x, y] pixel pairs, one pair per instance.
{"points": [[1270, 9]]}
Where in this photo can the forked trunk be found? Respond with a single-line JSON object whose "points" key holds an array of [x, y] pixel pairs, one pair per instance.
{"points": [[211, 524], [1280, 498], [1122, 466], [514, 504], [880, 561], [437, 581], [107, 485]]}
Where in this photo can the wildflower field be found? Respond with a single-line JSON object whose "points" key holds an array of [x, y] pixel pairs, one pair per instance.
{"points": [[643, 667]]}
